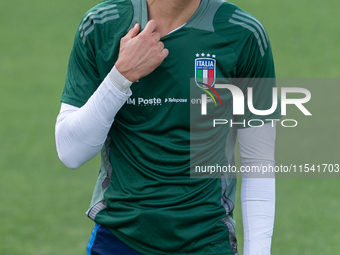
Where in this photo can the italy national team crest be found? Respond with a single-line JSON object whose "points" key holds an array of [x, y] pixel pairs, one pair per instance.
{"points": [[205, 70]]}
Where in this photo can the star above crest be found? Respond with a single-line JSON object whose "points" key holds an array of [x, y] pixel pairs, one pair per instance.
{"points": [[208, 55]]}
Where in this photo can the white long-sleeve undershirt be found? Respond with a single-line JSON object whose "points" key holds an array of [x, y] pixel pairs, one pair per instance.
{"points": [[81, 132], [257, 148]]}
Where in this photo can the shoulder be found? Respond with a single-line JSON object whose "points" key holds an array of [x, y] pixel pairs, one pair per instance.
{"points": [[231, 16], [105, 20], [240, 28]]}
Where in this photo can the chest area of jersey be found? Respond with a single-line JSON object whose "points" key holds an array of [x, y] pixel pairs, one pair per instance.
{"points": [[195, 62], [199, 57]]}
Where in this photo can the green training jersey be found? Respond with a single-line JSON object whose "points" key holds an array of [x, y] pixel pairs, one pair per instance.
{"points": [[144, 193]]}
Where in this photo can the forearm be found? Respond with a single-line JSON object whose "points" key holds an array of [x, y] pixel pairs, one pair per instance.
{"points": [[81, 132], [257, 146], [258, 211]]}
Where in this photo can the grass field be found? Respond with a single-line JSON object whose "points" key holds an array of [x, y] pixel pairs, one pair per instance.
{"points": [[43, 203]]}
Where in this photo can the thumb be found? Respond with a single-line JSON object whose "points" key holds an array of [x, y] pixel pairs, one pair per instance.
{"points": [[133, 31]]}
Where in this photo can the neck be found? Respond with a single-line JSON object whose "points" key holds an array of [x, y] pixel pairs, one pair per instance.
{"points": [[171, 14]]}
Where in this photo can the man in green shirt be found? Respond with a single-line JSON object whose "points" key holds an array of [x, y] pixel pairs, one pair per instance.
{"points": [[128, 94]]}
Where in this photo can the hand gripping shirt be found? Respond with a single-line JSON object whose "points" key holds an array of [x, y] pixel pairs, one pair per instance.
{"points": [[144, 193]]}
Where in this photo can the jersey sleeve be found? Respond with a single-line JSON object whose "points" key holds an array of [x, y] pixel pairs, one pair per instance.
{"points": [[82, 77], [255, 68]]}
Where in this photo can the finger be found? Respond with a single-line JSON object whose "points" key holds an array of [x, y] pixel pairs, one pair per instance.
{"points": [[133, 31], [150, 27], [165, 53], [160, 46], [156, 35]]}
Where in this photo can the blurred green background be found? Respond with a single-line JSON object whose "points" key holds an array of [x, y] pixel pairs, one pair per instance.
{"points": [[43, 203]]}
